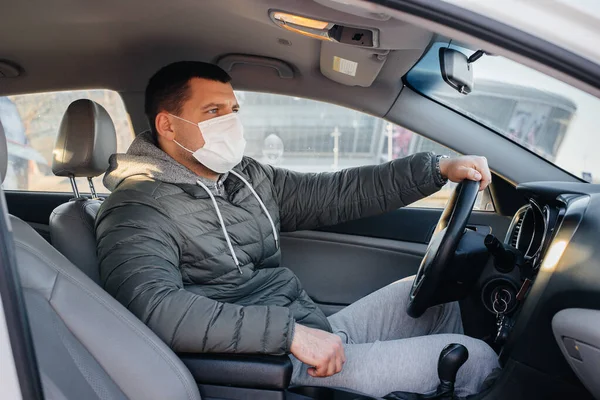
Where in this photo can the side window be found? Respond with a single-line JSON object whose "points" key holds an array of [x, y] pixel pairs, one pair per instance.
{"points": [[31, 124], [311, 136]]}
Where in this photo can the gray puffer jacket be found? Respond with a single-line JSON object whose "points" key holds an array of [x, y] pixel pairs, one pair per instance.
{"points": [[199, 264]]}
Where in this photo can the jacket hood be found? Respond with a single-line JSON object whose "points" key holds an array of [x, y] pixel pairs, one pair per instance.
{"points": [[144, 157]]}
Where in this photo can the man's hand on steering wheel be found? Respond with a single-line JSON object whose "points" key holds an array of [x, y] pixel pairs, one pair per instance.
{"points": [[474, 168]]}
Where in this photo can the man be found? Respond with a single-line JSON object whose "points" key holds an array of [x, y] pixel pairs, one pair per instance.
{"points": [[189, 242]]}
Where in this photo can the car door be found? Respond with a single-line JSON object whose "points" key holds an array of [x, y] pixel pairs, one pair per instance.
{"points": [[338, 265]]}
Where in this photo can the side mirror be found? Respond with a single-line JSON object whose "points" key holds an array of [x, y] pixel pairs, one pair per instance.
{"points": [[456, 70]]}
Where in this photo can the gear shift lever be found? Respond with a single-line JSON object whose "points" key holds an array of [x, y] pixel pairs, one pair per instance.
{"points": [[451, 359]]}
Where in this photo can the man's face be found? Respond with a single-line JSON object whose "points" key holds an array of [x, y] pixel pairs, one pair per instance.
{"points": [[208, 99]]}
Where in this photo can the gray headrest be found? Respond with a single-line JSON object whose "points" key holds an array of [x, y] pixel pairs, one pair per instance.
{"points": [[3, 154], [86, 139]]}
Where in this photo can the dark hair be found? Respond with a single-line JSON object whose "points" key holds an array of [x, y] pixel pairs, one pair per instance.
{"points": [[167, 90]]}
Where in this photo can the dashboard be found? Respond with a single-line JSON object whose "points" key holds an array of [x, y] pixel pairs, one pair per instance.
{"points": [[531, 233], [557, 234], [527, 239]]}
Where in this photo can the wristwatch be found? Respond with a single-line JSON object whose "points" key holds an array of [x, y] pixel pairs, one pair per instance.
{"points": [[439, 178]]}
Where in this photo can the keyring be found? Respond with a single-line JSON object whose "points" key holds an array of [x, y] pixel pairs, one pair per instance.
{"points": [[496, 302]]}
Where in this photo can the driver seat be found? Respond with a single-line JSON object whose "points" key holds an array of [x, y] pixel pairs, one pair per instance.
{"points": [[87, 345]]}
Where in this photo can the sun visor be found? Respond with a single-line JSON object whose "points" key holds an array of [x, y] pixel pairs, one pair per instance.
{"points": [[351, 66]]}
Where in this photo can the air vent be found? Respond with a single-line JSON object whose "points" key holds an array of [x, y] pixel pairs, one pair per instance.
{"points": [[514, 238]]}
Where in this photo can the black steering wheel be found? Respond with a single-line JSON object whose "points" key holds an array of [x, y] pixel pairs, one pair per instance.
{"points": [[441, 249]]}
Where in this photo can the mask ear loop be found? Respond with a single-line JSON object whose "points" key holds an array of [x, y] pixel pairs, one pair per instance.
{"points": [[183, 119], [189, 122], [182, 146]]}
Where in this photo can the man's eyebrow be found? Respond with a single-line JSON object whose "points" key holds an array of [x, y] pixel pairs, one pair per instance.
{"points": [[212, 105], [219, 105]]}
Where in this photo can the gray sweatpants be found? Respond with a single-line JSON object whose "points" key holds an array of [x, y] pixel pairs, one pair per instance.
{"points": [[387, 351]]}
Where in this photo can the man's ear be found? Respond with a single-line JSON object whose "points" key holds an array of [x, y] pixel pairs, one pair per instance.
{"points": [[164, 127]]}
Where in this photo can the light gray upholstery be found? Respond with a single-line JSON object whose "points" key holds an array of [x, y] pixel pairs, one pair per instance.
{"points": [[79, 374], [85, 141], [72, 233], [88, 346]]}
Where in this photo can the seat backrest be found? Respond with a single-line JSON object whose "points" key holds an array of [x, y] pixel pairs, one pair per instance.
{"points": [[87, 345], [86, 139]]}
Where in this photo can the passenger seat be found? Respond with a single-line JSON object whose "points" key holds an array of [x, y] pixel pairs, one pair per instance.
{"points": [[86, 139]]}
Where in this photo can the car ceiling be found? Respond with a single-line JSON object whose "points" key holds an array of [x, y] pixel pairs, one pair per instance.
{"points": [[115, 44]]}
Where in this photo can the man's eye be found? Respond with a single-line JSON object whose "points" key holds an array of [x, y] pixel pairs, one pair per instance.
{"points": [[213, 111], [236, 110]]}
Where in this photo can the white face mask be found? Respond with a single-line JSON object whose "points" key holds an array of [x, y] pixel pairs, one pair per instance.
{"points": [[224, 142]]}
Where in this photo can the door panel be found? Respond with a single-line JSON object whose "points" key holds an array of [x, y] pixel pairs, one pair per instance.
{"points": [[340, 264], [338, 269]]}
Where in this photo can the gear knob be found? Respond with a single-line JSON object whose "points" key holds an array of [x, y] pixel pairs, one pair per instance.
{"points": [[451, 359]]}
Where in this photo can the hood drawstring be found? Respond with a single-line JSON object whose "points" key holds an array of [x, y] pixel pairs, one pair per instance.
{"points": [[262, 205], [227, 238]]}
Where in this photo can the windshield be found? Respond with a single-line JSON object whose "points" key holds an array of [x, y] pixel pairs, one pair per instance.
{"points": [[551, 118]]}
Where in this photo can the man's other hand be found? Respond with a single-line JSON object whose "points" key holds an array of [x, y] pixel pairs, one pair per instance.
{"points": [[323, 351], [466, 167]]}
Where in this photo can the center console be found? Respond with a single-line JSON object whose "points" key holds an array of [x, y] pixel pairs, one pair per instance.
{"points": [[262, 377], [254, 377]]}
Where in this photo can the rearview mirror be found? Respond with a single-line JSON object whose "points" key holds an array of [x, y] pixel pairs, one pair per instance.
{"points": [[456, 70]]}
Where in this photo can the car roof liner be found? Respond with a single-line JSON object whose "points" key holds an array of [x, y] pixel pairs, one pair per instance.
{"points": [[119, 45]]}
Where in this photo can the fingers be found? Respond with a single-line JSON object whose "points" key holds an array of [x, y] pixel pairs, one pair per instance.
{"points": [[486, 175], [332, 364], [476, 170], [465, 172], [325, 369], [332, 367], [340, 360], [473, 174], [343, 361], [340, 357]]}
